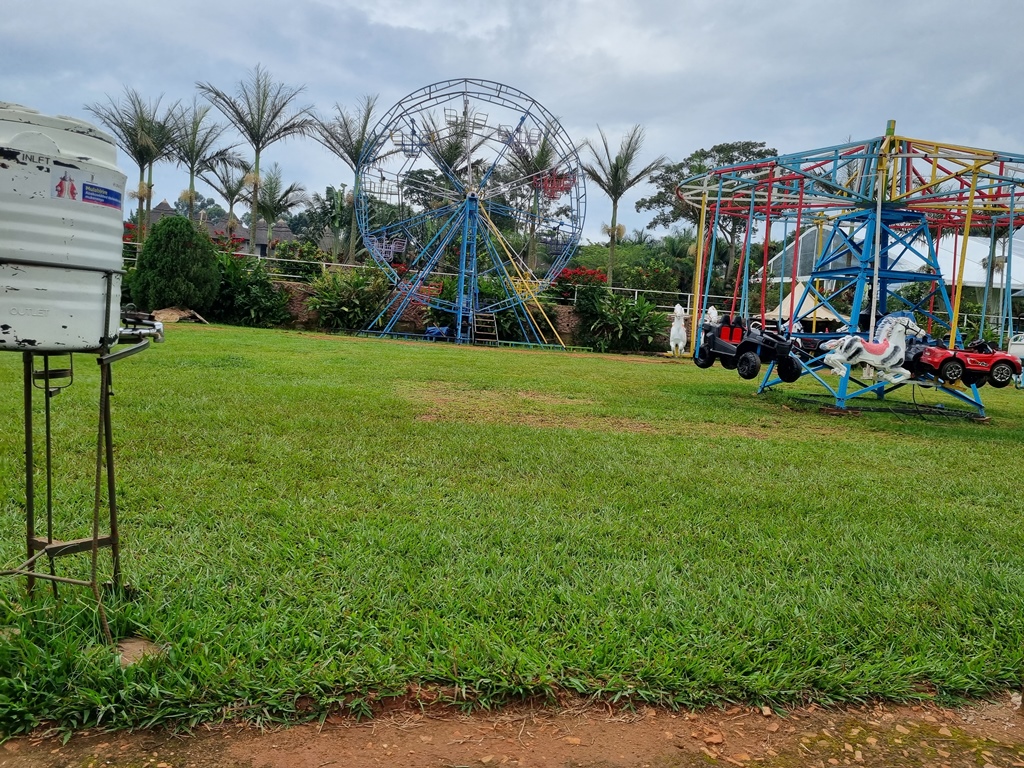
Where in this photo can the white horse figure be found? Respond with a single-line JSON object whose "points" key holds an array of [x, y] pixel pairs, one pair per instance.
{"points": [[710, 315], [886, 355], [677, 336]]}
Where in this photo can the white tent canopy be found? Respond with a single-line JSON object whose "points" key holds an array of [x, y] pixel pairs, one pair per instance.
{"points": [[823, 314]]}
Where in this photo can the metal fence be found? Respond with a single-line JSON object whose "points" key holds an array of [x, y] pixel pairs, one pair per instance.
{"points": [[663, 300]]}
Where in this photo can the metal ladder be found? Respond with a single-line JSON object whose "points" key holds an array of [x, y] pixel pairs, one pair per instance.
{"points": [[485, 327]]}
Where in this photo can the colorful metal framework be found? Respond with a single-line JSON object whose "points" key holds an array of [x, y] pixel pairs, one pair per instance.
{"points": [[483, 189], [880, 207]]}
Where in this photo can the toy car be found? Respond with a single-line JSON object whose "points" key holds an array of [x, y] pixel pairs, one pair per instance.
{"points": [[741, 348], [979, 363]]}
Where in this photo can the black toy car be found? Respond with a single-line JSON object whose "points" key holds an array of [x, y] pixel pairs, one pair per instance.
{"points": [[743, 348]]}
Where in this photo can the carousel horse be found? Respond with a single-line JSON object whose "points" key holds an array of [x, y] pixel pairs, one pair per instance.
{"points": [[886, 355], [677, 335]]}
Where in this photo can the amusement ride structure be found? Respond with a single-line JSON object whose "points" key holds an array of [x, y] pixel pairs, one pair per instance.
{"points": [[877, 209], [471, 198]]}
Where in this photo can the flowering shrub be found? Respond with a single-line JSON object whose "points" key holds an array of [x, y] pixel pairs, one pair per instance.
{"points": [[228, 244], [651, 276], [564, 286], [129, 242]]}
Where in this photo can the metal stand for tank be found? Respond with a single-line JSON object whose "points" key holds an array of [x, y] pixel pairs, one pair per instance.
{"points": [[41, 374]]}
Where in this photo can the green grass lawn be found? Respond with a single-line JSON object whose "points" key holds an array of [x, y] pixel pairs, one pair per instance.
{"points": [[342, 518]]}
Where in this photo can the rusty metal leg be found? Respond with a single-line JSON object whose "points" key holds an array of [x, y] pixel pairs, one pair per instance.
{"points": [[101, 439], [115, 540], [30, 517], [48, 394]]}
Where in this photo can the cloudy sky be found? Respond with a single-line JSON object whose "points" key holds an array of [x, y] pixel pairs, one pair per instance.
{"points": [[797, 74]]}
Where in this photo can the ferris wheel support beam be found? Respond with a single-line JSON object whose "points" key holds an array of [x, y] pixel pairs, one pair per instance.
{"points": [[467, 259], [404, 295]]}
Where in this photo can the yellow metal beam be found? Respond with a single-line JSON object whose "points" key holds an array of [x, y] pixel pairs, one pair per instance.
{"points": [[512, 261], [963, 262]]}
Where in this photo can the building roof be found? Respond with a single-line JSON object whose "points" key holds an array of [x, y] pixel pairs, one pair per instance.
{"points": [[807, 309], [280, 231]]}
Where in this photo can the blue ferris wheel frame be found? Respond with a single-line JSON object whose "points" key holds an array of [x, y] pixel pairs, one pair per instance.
{"points": [[479, 225]]}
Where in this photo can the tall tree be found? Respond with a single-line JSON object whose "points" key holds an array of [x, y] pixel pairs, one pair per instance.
{"points": [[263, 112], [164, 130], [324, 214], [347, 135], [227, 176], [669, 209], [617, 174], [195, 146], [533, 163], [137, 131], [277, 200]]}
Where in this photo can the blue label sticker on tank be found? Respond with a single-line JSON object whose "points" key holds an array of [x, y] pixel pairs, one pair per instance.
{"points": [[93, 193]]}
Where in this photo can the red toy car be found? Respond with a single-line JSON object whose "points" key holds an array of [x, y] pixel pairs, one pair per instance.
{"points": [[978, 364]]}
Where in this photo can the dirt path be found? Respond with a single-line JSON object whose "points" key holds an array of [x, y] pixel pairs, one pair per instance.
{"points": [[981, 736]]}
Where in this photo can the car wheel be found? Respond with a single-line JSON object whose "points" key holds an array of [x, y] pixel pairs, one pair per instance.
{"points": [[704, 358], [951, 370], [729, 362], [1000, 375], [974, 378], [748, 365], [789, 369]]}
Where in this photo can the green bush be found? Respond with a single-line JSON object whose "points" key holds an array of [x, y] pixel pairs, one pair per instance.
{"points": [[349, 299], [304, 260], [246, 295], [624, 325], [650, 274], [177, 267]]}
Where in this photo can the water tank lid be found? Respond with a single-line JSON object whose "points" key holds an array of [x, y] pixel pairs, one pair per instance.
{"points": [[75, 137]]}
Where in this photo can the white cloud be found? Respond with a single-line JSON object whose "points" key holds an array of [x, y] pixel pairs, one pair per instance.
{"points": [[798, 74]]}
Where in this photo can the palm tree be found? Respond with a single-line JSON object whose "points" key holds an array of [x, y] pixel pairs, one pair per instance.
{"points": [[347, 135], [139, 134], [533, 165], [276, 200], [194, 146], [163, 133], [261, 111], [326, 213], [227, 176], [615, 176]]}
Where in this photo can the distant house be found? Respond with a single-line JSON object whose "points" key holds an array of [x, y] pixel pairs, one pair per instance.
{"points": [[279, 233]]}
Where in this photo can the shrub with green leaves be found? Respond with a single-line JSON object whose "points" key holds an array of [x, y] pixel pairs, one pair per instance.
{"points": [[247, 296], [300, 259], [349, 299], [177, 267], [624, 325], [651, 274]]}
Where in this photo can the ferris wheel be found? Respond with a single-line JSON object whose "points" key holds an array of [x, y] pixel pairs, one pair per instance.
{"points": [[470, 196]]}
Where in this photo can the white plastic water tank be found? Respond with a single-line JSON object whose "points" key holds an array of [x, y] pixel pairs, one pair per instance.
{"points": [[61, 203]]}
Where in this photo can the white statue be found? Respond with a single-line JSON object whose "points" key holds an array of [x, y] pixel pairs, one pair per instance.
{"points": [[677, 336]]}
